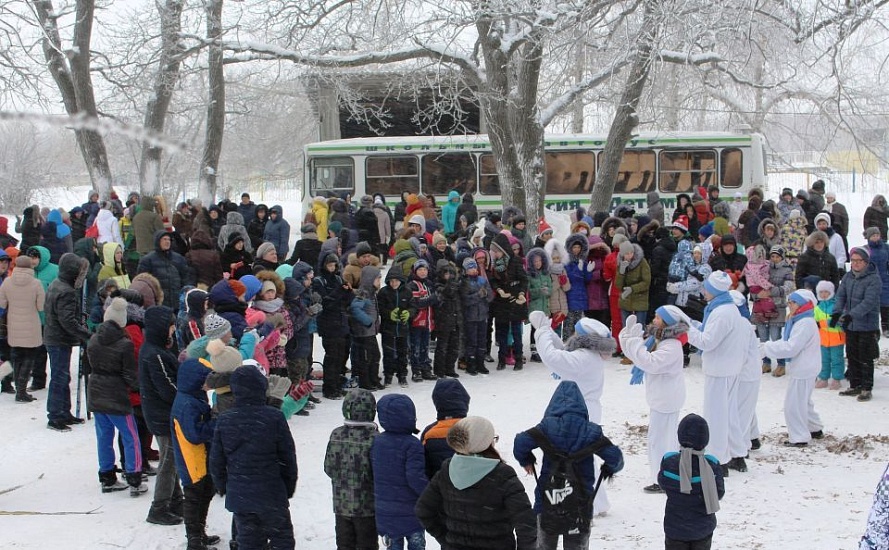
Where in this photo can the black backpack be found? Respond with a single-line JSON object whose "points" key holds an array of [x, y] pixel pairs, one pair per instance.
{"points": [[566, 505]]}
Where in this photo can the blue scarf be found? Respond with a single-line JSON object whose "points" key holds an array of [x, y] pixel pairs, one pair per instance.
{"points": [[720, 300], [806, 310], [637, 375]]}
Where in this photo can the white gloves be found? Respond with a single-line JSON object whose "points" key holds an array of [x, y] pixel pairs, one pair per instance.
{"points": [[278, 386], [538, 319], [580, 265], [632, 329], [590, 266], [622, 267], [625, 293]]}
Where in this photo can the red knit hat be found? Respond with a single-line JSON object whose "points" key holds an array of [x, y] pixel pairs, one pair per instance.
{"points": [[237, 287], [542, 226], [681, 223]]}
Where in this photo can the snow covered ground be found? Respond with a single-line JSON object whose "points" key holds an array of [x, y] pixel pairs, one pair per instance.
{"points": [[814, 498]]}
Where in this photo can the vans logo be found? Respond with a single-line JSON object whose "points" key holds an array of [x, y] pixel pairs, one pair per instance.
{"points": [[556, 496]]}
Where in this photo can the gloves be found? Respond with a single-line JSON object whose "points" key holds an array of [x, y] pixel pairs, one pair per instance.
{"points": [[625, 293], [696, 275], [282, 341], [845, 320], [632, 329], [278, 386], [590, 266], [538, 319], [834, 320], [636, 376], [503, 294], [395, 315], [405, 315], [580, 265], [314, 309], [622, 267], [606, 472], [563, 279], [521, 299], [673, 288]]}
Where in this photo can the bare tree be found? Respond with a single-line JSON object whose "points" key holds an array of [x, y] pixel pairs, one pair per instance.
{"points": [[216, 102]]}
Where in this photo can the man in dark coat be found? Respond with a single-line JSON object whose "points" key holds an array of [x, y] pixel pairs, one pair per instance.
{"points": [[366, 223], [308, 247], [277, 231], [91, 207], [64, 328], [246, 208], [146, 224], [451, 402], [169, 268], [253, 463], [158, 369], [661, 256], [728, 259], [29, 226], [809, 208], [840, 217], [467, 208], [333, 325], [816, 261]]}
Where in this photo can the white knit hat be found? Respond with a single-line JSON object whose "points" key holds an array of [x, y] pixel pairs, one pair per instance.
{"points": [[588, 326], [825, 286], [801, 296], [216, 326], [718, 283], [823, 216], [471, 435], [117, 312]]}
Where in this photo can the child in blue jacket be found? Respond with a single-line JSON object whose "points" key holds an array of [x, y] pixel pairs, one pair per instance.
{"points": [[694, 485], [579, 272], [399, 473]]}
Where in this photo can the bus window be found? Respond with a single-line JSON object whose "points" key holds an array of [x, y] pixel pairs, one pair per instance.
{"points": [[684, 171], [490, 180], [447, 172], [392, 175], [636, 173], [569, 172], [330, 176], [731, 163]]}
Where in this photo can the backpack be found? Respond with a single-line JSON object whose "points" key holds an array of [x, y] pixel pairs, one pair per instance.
{"points": [[566, 506]]}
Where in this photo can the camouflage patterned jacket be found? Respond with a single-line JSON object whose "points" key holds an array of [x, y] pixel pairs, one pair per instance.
{"points": [[347, 462]]}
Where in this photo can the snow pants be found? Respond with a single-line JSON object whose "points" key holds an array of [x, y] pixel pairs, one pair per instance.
{"points": [[702, 544], [833, 362], [366, 361], [475, 339], [748, 395], [419, 349], [799, 410], [395, 355], [272, 531], [662, 438], [548, 541], [446, 351], [721, 413], [336, 353], [356, 533]]}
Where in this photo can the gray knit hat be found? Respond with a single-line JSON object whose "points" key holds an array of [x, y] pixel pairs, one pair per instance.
{"points": [[618, 239], [117, 312], [216, 326], [471, 435], [626, 247], [871, 231], [264, 249]]}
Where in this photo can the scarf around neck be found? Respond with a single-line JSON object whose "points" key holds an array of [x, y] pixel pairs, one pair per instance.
{"points": [[708, 480], [807, 310], [721, 300]]}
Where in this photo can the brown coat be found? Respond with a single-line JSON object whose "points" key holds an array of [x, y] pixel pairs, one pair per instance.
{"points": [[352, 272], [22, 295]]}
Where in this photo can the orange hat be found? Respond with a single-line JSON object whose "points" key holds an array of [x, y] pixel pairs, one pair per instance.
{"points": [[237, 287]]}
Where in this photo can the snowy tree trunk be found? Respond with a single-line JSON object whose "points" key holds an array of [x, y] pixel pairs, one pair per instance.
{"points": [[72, 77], [625, 118], [215, 106], [159, 103]]}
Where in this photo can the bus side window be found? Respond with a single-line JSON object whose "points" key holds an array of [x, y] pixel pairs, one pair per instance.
{"points": [[489, 179], [569, 172], [331, 175], [636, 173], [390, 175], [731, 165], [685, 171], [448, 172]]}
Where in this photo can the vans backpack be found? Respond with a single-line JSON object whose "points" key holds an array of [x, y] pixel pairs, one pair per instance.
{"points": [[566, 505]]}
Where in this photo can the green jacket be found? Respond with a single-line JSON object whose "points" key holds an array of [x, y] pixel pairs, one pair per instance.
{"points": [[347, 462], [637, 277], [540, 288]]}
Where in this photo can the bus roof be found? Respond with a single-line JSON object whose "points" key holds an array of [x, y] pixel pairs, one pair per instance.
{"points": [[553, 141]]}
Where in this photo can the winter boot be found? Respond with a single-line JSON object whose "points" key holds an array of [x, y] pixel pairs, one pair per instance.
{"points": [[738, 463], [471, 368], [6, 385], [535, 358], [194, 533], [779, 372], [134, 480], [850, 392], [402, 381], [766, 368], [519, 363], [159, 514], [501, 363], [462, 363], [488, 358], [755, 444], [24, 397], [427, 375], [417, 376], [865, 395], [834, 384], [511, 359], [110, 483], [820, 384], [387, 380], [480, 366]]}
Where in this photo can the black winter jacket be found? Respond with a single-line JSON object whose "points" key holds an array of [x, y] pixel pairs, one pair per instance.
{"points": [[332, 321], [449, 312], [389, 300], [65, 324], [488, 515], [820, 264], [158, 369], [113, 373], [253, 458], [306, 249], [513, 281], [169, 268]]}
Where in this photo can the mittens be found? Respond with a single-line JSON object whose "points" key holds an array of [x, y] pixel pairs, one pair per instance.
{"points": [[590, 266], [503, 294], [580, 265], [538, 319], [314, 309], [622, 267], [834, 320], [625, 293], [563, 279], [521, 299]]}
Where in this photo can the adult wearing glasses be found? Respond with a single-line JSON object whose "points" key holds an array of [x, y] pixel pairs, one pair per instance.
{"points": [[857, 310]]}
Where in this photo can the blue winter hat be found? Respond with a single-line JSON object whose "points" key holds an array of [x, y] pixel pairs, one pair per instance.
{"points": [[706, 230], [718, 283], [802, 296], [669, 314], [586, 327], [418, 264], [253, 286], [469, 263]]}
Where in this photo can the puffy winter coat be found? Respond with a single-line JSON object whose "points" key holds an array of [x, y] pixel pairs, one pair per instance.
{"points": [[685, 515], [65, 324], [367, 225], [158, 369], [253, 457], [449, 311], [638, 277], [51, 241], [347, 461], [879, 258], [567, 425], [781, 279], [398, 467], [30, 227], [256, 225], [277, 232], [145, 224], [597, 286], [22, 296], [858, 296], [226, 304], [364, 318], [46, 271], [876, 216], [476, 295], [451, 402], [578, 274], [467, 208], [169, 268], [512, 281], [389, 300], [109, 228], [540, 284], [247, 212], [191, 423], [231, 256], [306, 250], [476, 503], [109, 269], [234, 223], [655, 207], [332, 321], [820, 264], [204, 259], [321, 213], [113, 371], [449, 212]]}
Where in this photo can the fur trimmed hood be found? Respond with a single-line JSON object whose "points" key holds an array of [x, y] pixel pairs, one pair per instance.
{"points": [[592, 342], [612, 221], [666, 333], [533, 253], [577, 238]]}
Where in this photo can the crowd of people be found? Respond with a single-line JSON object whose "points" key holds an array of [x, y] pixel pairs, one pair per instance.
{"points": [[166, 305]]}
